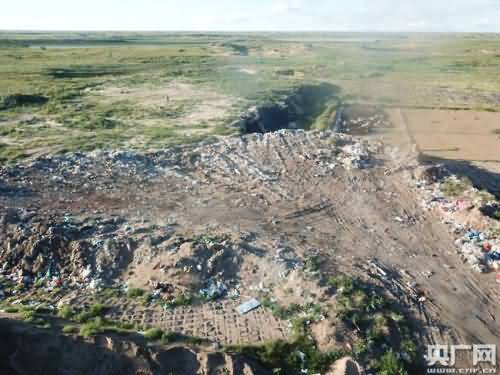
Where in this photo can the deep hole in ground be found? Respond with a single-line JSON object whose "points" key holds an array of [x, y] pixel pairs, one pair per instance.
{"points": [[297, 110]]}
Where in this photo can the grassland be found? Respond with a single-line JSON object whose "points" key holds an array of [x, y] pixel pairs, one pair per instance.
{"points": [[149, 90]]}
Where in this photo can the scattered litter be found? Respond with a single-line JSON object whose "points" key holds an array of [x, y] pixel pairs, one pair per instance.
{"points": [[214, 290]]}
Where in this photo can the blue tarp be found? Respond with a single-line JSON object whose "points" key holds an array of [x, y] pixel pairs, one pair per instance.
{"points": [[248, 306]]}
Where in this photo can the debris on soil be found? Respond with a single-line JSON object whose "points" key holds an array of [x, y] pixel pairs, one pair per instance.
{"points": [[358, 119], [241, 242], [248, 306], [463, 209]]}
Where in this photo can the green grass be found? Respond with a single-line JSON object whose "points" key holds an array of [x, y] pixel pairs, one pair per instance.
{"points": [[429, 71], [452, 187], [32, 317], [165, 338], [96, 310], [70, 329], [135, 292], [378, 320], [389, 364], [283, 357], [92, 327], [180, 300], [65, 312], [324, 120], [154, 334], [11, 310]]}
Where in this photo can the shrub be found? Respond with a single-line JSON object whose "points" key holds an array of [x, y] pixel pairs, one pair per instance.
{"points": [[92, 327], [135, 292], [97, 310], [65, 312], [283, 357], [82, 317], [454, 187], [11, 310], [390, 365], [29, 316], [70, 329], [153, 334]]}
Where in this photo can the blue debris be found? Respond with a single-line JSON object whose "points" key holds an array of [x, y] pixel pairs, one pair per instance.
{"points": [[248, 306]]}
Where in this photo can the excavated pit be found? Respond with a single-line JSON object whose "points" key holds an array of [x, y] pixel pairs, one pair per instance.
{"points": [[297, 110]]}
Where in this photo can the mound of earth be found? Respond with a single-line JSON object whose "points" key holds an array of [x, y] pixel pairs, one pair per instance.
{"points": [[178, 239], [27, 350]]}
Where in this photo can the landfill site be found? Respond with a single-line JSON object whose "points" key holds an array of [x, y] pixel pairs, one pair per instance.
{"points": [[274, 251]]}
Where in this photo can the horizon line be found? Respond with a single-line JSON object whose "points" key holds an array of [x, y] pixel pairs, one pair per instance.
{"points": [[253, 31]]}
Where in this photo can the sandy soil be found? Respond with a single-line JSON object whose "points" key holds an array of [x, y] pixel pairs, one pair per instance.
{"points": [[308, 192], [457, 135], [200, 104]]}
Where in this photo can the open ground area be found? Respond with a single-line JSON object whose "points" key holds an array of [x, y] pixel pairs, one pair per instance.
{"points": [[247, 203]]}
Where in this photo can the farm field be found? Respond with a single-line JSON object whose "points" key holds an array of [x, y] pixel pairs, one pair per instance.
{"points": [[146, 91]]}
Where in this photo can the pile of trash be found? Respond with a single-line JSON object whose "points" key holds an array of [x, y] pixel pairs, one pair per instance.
{"points": [[355, 156], [363, 125], [287, 261], [64, 251], [462, 208], [480, 251], [214, 289]]}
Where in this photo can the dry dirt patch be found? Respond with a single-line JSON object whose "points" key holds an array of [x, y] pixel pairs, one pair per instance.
{"points": [[198, 104], [456, 135]]}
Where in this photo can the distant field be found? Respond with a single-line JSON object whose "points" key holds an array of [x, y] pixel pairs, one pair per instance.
{"points": [[149, 90]]}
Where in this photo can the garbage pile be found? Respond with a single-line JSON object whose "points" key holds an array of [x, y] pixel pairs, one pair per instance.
{"points": [[462, 208], [288, 261], [480, 251], [364, 125], [355, 155], [64, 251], [213, 289]]}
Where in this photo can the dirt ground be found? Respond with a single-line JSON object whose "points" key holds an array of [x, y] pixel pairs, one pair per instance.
{"points": [[456, 135], [347, 200]]}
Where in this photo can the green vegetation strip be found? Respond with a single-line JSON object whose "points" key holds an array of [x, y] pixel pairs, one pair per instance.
{"points": [[382, 328]]}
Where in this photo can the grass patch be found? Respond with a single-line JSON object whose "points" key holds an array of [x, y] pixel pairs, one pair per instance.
{"points": [[154, 334], [311, 311], [324, 120], [285, 358], [180, 300], [85, 71], [31, 316], [389, 364], [92, 327], [454, 187], [70, 329], [166, 338], [135, 292], [65, 312], [11, 309], [96, 310], [382, 327]]}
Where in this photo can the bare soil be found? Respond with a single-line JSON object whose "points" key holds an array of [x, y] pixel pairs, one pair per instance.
{"points": [[347, 200]]}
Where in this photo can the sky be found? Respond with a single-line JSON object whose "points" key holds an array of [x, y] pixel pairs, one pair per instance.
{"points": [[252, 15]]}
